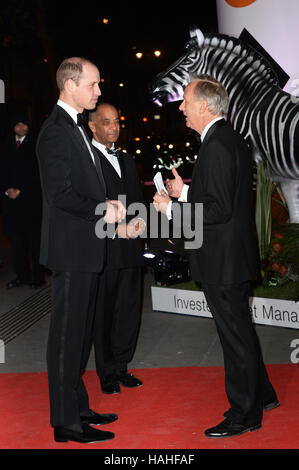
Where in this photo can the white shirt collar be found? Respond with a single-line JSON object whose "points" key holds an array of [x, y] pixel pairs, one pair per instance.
{"points": [[204, 132], [101, 147], [21, 138], [69, 109], [111, 158]]}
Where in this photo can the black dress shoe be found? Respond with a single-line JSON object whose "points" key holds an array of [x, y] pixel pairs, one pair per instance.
{"points": [[270, 404], [109, 384], [88, 435], [228, 428], [129, 380], [96, 419]]}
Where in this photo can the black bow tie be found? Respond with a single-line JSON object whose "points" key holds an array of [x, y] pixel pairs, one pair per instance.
{"points": [[115, 152], [81, 121]]}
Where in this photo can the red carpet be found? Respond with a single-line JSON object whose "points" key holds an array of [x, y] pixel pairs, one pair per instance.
{"points": [[170, 411]]}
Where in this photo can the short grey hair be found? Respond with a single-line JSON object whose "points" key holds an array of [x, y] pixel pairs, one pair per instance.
{"points": [[213, 92]]}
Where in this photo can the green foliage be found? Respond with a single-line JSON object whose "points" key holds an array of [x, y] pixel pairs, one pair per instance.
{"points": [[263, 214]]}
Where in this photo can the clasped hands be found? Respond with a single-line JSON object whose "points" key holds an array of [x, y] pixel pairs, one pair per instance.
{"points": [[174, 188], [132, 229], [116, 213]]}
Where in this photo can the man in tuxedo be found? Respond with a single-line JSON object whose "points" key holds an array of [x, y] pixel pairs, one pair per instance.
{"points": [[22, 203], [227, 260], [73, 186], [120, 289]]}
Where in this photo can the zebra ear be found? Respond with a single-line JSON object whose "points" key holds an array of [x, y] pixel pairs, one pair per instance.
{"points": [[196, 32]]}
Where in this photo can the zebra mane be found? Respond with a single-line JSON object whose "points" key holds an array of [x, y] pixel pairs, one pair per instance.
{"points": [[236, 46]]}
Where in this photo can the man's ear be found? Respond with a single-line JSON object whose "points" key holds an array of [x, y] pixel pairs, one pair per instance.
{"points": [[70, 85], [203, 105], [92, 126]]}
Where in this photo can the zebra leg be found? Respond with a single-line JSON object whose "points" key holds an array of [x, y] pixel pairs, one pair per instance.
{"points": [[290, 189]]}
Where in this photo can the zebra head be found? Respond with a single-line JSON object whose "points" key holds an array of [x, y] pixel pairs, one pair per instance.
{"points": [[169, 85]]}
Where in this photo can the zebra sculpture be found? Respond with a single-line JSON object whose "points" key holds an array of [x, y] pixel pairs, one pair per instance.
{"points": [[259, 109]]}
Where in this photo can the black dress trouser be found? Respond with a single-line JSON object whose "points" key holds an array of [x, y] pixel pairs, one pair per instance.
{"points": [[246, 380], [73, 307], [117, 319], [25, 238]]}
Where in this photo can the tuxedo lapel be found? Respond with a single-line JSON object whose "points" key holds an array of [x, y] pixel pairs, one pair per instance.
{"points": [[122, 165], [108, 164], [213, 128], [79, 139]]}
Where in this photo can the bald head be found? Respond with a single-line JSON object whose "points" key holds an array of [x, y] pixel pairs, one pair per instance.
{"points": [[104, 124]]}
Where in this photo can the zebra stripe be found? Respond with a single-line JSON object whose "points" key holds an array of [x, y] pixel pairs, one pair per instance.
{"points": [[259, 110]]}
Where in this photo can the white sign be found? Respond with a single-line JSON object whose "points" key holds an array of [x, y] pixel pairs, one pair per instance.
{"points": [[273, 23], [264, 311]]}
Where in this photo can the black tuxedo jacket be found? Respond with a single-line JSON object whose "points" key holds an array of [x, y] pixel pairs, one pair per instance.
{"points": [[223, 181], [19, 169], [123, 253], [72, 189]]}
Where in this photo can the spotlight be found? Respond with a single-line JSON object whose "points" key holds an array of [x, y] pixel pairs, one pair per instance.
{"points": [[149, 256]]}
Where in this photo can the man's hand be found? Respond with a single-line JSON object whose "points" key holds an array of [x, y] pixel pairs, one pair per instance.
{"points": [[136, 227], [161, 202], [133, 229], [115, 212], [175, 186], [13, 193], [121, 231]]}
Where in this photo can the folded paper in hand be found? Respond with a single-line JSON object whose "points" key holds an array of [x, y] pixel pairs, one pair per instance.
{"points": [[159, 183]]}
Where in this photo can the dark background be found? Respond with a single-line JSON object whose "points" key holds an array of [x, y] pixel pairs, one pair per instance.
{"points": [[36, 35]]}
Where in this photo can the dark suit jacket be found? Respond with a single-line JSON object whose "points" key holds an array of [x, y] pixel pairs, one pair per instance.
{"points": [[123, 253], [222, 180], [19, 169], [72, 190]]}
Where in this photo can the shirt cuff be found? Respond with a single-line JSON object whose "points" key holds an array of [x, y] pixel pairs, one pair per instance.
{"points": [[168, 211], [184, 194]]}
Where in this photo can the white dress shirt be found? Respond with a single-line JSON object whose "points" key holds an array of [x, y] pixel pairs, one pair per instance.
{"points": [[111, 158], [20, 138], [73, 113], [184, 193]]}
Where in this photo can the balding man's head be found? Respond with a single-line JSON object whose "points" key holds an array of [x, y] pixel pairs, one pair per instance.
{"points": [[104, 124]]}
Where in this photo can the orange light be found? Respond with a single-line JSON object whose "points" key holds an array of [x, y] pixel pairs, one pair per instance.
{"points": [[122, 118], [144, 119]]}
